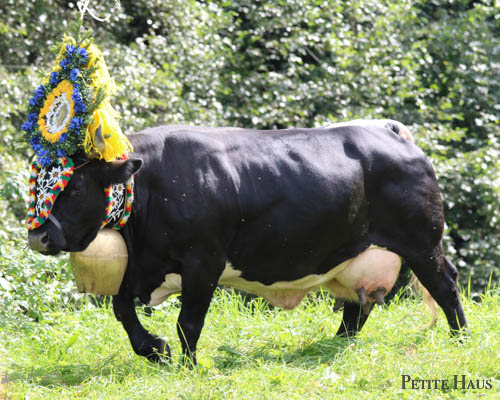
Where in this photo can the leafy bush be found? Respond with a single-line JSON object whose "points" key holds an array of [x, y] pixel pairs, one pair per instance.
{"points": [[274, 64], [30, 284]]}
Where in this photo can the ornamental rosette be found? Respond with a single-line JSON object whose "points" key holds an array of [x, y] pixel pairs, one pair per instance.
{"points": [[58, 115], [70, 111]]}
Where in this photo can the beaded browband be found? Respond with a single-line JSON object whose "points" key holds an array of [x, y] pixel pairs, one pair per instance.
{"points": [[119, 200]]}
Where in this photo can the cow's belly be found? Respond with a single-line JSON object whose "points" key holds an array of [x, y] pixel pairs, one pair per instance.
{"points": [[373, 269]]}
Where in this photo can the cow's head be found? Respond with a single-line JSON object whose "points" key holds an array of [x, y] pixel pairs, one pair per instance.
{"points": [[79, 209]]}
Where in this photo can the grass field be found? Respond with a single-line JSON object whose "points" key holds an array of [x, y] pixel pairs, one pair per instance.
{"points": [[253, 351]]}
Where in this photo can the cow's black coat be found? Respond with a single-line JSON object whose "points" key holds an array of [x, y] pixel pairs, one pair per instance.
{"points": [[279, 205]]}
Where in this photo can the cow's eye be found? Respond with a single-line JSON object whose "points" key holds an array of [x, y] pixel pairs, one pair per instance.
{"points": [[75, 193]]}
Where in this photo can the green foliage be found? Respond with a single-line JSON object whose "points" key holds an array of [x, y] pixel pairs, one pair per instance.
{"points": [[273, 64], [30, 284], [470, 184]]}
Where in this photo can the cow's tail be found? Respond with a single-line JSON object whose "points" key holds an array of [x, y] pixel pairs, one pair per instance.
{"points": [[399, 129], [427, 298]]}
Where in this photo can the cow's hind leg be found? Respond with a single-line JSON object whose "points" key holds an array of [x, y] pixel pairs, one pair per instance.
{"points": [[143, 343], [353, 318], [439, 277]]}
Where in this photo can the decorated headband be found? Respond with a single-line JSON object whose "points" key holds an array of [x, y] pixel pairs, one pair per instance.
{"points": [[45, 184]]}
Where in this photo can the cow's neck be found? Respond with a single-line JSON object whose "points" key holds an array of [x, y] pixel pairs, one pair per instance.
{"points": [[119, 201]]}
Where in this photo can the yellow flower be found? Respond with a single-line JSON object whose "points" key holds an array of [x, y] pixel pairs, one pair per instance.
{"points": [[57, 111]]}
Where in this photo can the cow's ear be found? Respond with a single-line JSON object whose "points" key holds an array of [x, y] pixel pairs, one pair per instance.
{"points": [[119, 171]]}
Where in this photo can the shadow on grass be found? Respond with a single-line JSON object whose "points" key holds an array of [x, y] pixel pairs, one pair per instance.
{"points": [[70, 374], [56, 375], [320, 352], [226, 359]]}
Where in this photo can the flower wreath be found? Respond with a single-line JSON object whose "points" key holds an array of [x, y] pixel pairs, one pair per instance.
{"points": [[70, 111]]}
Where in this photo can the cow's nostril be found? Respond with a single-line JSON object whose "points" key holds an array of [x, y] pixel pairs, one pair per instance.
{"points": [[38, 241], [44, 239]]}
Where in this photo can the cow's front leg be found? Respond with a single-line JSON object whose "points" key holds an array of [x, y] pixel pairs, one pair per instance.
{"points": [[198, 285], [143, 343]]}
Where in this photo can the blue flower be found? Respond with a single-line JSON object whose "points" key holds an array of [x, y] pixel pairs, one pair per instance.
{"points": [[79, 107], [42, 152], [61, 153], [64, 64], [83, 54], [75, 124], [73, 75], [40, 91], [44, 157], [37, 148], [63, 137], [54, 78], [34, 101], [45, 161], [35, 144], [77, 96], [38, 94], [32, 117], [30, 123], [28, 126], [77, 100], [70, 49]]}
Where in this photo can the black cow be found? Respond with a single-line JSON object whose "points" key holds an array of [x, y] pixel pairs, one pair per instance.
{"points": [[276, 213]]}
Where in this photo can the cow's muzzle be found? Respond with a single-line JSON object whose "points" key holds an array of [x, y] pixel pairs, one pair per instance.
{"points": [[41, 241], [38, 241]]}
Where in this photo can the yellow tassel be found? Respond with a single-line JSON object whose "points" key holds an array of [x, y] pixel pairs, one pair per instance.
{"points": [[101, 77], [115, 142]]}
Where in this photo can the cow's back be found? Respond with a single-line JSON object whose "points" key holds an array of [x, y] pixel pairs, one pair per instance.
{"points": [[282, 201]]}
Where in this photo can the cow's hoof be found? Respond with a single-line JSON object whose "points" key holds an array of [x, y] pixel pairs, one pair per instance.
{"points": [[461, 335], [345, 334], [188, 360], [158, 351]]}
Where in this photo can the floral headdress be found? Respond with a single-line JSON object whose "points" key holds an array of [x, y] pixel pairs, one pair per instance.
{"points": [[70, 111]]}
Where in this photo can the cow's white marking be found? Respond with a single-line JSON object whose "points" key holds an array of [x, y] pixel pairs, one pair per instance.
{"points": [[373, 268], [403, 130], [171, 285]]}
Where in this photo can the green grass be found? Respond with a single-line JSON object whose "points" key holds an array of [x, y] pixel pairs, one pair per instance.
{"points": [[252, 352]]}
